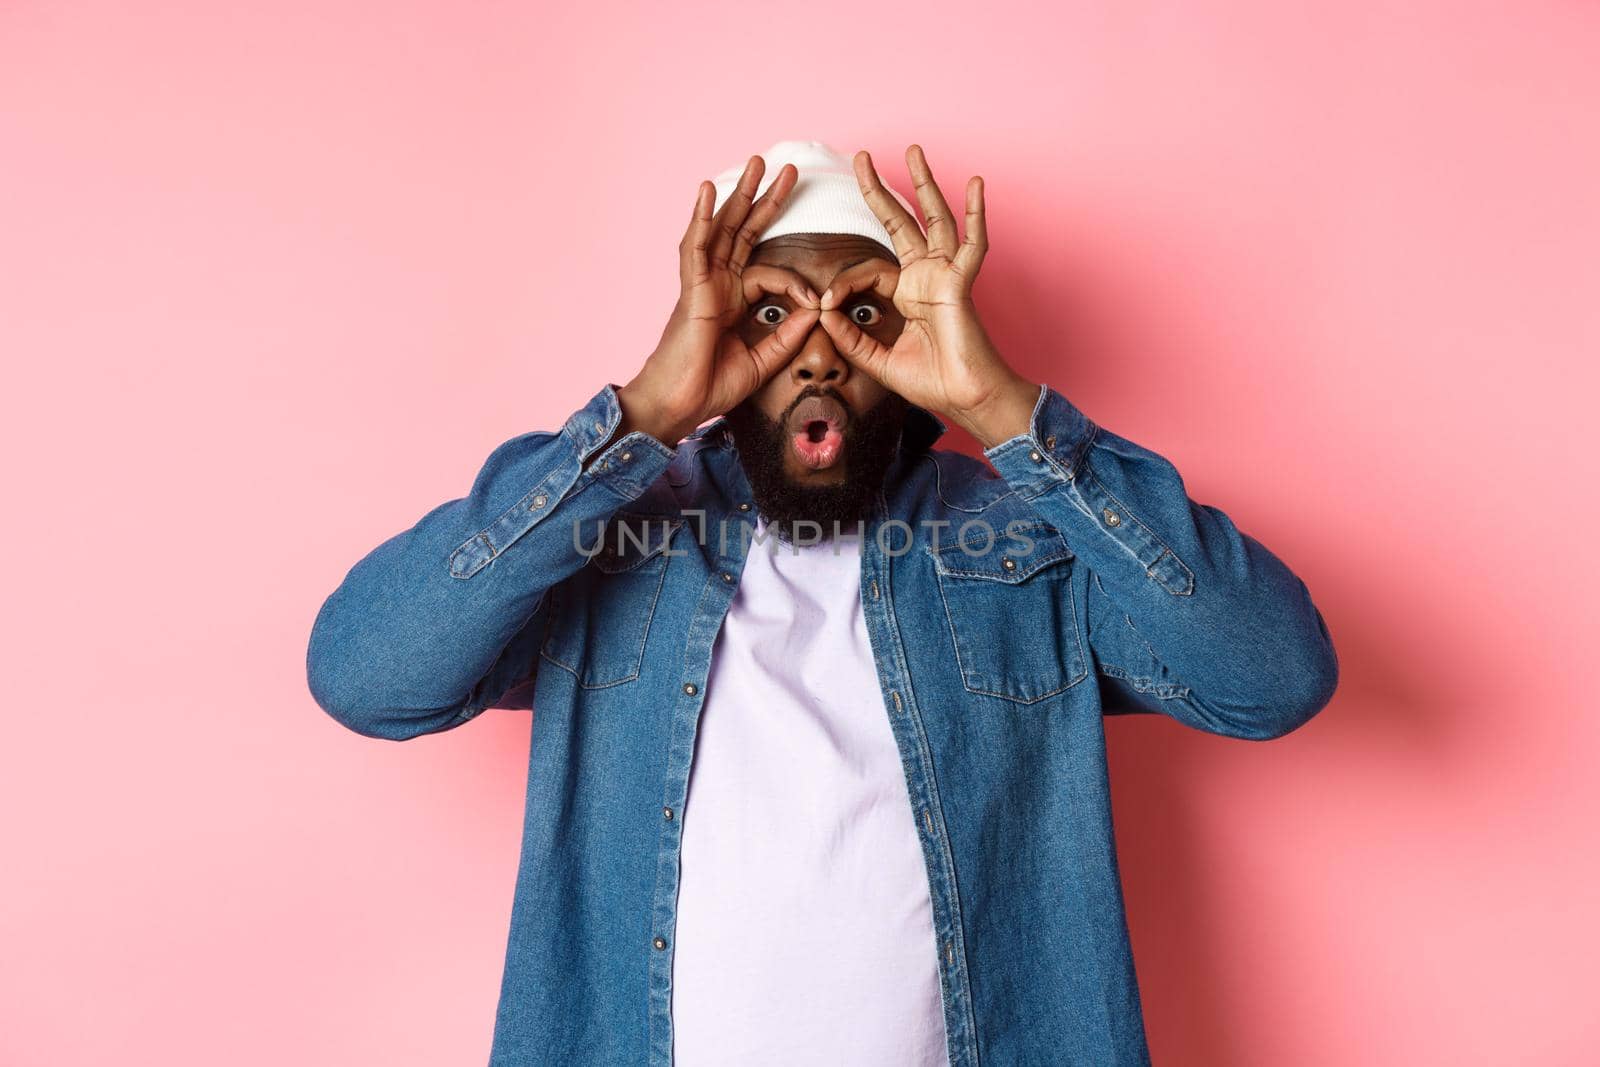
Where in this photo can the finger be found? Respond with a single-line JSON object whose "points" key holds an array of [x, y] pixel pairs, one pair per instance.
{"points": [[881, 281], [859, 348], [775, 350], [935, 211], [975, 243], [761, 216], [908, 241], [693, 261], [732, 214], [804, 296], [765, 280]]}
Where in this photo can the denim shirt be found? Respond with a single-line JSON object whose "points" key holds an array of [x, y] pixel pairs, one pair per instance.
{"points": [[1009, 609]]}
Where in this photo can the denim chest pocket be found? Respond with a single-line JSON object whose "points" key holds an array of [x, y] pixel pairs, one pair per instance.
{"points": [[600, 617], [1012, 615]]}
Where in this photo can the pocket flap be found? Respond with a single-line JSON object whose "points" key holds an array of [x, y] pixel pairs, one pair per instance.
{"points": [[1016, 553], [629, 540]]}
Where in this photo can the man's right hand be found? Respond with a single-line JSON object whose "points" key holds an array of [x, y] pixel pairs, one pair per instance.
{"points": [[702, 367]]}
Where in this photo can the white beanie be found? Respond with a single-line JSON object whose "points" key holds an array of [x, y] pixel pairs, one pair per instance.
{"points": [[825, 199]]}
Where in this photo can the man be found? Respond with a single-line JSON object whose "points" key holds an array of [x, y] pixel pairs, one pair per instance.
{"points": [[818, 771]]}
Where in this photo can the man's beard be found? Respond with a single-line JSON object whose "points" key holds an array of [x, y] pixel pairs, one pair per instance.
{"points": [[870, 440]]}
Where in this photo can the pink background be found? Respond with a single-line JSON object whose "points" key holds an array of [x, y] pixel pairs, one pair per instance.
{"points": [[275, 279]]}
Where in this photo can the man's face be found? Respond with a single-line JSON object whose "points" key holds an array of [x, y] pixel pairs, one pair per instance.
{"points": [[816, 440]]}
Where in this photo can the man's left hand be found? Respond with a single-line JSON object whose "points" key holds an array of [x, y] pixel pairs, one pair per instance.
{"points": [[943, 359]]}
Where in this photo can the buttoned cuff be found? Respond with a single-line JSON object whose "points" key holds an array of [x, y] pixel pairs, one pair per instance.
{"points": [[1052, 450], [1054, 454], [626, 468], [629, 464]]}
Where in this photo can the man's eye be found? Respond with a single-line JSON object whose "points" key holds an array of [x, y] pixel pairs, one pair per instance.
{"points": [[866, 314], [770, 314]]}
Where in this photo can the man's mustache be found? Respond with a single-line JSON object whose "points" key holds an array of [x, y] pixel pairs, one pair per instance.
{"points": [[817, 390]]}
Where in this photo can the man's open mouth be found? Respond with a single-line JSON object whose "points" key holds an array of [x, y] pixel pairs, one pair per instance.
{"points": [[816, 430]]}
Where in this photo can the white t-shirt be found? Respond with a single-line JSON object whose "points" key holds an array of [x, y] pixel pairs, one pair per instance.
{"points": [[805, 929]]}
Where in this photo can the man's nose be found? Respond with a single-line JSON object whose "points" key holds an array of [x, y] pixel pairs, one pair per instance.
{"points": [[818, 362]]}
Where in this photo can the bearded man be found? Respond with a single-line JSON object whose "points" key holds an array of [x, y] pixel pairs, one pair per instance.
{"points": [[817, 771]]}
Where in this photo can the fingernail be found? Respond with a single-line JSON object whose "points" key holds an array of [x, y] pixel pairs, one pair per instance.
{"points": [[827, 299]]}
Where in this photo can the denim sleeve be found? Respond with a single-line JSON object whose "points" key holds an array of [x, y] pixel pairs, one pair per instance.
{"points": [[441, 620], [1188, 616]]}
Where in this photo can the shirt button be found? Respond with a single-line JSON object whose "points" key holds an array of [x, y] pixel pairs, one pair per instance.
{"points": [[1009, 564], [660, 942], [1112, 518], [726, 577], [690, 688], [625, 456], [744, 505], [1050, 442], [1034, 455], [666, 813], [539, 501]]}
